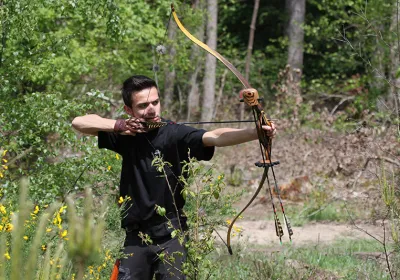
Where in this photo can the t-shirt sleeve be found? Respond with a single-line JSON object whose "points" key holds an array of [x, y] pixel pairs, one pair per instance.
{"points": [[192, 138], [110, 141]]}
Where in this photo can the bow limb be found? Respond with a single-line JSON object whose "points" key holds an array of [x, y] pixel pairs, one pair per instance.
{"points": [[228, 238], [209, 50]]}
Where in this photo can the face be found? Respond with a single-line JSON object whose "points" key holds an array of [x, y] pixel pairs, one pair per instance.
{"points": [[146, 105]]}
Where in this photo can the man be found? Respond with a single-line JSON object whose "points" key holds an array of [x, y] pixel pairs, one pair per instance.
{"points": [[138, 145]]}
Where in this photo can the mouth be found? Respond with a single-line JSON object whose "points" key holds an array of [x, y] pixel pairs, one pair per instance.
{"points": [[153, 119]]}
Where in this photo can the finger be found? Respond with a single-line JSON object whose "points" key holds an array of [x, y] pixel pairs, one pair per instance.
{"points": [[128, 132], [267, 128], [134, 126]]}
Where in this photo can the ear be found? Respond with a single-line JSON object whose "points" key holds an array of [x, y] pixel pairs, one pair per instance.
{"points": [[128, 110]]}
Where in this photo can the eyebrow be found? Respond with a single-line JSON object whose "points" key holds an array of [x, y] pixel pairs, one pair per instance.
{"points": [[148, 102]]}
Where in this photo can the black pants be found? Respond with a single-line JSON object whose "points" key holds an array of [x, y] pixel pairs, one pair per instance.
{"points": [[163, 258]]}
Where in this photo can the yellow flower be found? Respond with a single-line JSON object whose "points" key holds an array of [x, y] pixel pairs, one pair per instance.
{"points": [[4, 153], [121, 200], [62, 208], [4, 160], [57, 221], [3, 209], [1, 227], [51, 262], [36, 209], [1, 175], [64, 233], [48, 229], [229, 222], [109, 167], [5, 167], [43, 247], [237, 229], [117, 156], [9, 227], [25, 237], [7, 255]]}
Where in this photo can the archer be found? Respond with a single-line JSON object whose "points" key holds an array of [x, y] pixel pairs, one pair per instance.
{"points": [[137, 144]]}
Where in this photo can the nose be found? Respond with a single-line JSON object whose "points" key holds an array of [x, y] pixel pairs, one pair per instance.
{"points": [[150, 109]]}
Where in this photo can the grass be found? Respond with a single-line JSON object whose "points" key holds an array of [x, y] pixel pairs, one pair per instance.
{"points": [[339, 260]]}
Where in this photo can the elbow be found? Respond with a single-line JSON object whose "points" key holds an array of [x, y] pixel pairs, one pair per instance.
{"points": [[75, 123], [78, 124]]}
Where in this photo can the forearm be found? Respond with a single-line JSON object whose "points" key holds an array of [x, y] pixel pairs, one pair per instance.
{"points": [[229, 136], [92, 124]]}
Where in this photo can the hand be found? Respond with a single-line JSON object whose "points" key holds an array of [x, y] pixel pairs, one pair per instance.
{"points": [[135, 125], [129, 126], [271, 130]]}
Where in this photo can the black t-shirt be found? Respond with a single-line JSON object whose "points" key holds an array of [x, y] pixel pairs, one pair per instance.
{"points": [[140, 180]]}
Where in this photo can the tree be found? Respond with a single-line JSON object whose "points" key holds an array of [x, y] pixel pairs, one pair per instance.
{"points": [[295, 30], [211, 63], [193, 99], [170, 72], [250, 48]]}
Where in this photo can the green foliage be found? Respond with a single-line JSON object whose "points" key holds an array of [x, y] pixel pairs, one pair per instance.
{"points": [[319, 207], [391, 199], [206, 209], [32, 235]]}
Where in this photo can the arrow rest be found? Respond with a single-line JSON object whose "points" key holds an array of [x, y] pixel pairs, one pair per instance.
{"points": [[266, 163]]}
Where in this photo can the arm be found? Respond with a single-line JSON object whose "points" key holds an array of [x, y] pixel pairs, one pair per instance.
{"points": [[222, 137], [91, 124]]}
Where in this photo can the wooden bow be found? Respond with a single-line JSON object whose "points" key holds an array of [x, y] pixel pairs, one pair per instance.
{"points": [[250, 97]]}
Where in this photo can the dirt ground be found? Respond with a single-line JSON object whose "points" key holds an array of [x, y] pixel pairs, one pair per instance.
{"points": [[263, 233], [344, 165]]}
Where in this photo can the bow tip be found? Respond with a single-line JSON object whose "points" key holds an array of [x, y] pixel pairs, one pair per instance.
{"points": [[172, 7], [230, 250]]}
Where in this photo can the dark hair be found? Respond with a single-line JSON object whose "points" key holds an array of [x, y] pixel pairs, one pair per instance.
{"points": [[134, 84]]}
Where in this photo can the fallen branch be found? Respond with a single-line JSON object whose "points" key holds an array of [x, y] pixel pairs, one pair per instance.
{"points": [[389, 160]]}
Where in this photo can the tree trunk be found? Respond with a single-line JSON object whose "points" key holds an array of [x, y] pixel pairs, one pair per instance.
{"points": [[210, 66], [193, 101], [170, 72], [296, 10], [250, 49]]}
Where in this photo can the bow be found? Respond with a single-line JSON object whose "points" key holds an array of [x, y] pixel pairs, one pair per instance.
{"points": [[250, 97]]}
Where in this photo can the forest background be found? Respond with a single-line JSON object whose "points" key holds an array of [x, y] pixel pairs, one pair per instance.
{"points": [[328, 72]]}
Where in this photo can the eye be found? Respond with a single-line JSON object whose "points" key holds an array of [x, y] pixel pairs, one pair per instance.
{"points": [[143, 106], [155, 102]]}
